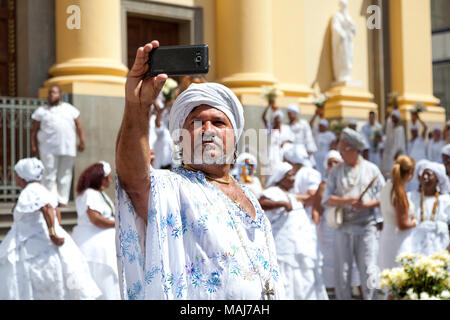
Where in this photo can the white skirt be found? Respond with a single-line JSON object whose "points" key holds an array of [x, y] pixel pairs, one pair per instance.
{"points": [[427, 238], [391, 239], [36, 269], [302, 278], [98, 246]]}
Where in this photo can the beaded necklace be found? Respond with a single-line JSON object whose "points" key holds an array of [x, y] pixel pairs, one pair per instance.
{"points": [[422, 207]]}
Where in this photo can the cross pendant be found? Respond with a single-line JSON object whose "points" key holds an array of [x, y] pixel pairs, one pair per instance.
{"points": [[267, 291]]}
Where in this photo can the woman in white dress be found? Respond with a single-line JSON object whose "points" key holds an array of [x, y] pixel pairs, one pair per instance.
{"points": [[325, 234], [246, 166], [295, 238], [394, 205], [38, 259], [431, 206], [324, 138], [95, 232]]}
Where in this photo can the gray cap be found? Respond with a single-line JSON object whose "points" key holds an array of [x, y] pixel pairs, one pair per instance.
{"points": [[353, 138]]}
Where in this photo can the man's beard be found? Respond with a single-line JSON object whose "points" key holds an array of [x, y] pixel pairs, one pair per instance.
{"points": [[212, 154]]}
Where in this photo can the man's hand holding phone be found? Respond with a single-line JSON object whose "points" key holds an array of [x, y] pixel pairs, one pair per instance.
{"points": [[141, 90]]}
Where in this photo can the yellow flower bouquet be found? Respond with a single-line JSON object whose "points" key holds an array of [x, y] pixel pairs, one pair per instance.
{"points": [[419, 277]]}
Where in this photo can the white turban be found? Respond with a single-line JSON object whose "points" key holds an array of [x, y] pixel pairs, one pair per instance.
{"points": [[106, 168], [246, 156], [446, 150], [278, 173], [297, 154], [30, 169], [354, 139], [353, 122], [277, 114], [332, 154], [294, 108], [439, 170], [396, 114], [437, 128], [414, 128], [324, 122], [211, 94]]}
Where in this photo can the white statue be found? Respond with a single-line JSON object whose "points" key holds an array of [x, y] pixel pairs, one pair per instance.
{"points": [[343, 32]]}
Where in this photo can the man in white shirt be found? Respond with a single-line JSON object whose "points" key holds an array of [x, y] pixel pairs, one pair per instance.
{"points": [[435, 146], [53, 137], [301, 130]]}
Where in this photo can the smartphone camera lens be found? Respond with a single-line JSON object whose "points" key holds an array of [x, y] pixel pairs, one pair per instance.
{"points": [[198, 59]]}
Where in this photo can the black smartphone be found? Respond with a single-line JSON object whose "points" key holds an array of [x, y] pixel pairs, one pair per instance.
{"points": [[179, 60]]}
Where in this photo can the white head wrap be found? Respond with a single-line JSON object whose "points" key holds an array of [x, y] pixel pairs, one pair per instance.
{"points": [[396, 114], [331, 154], [278, 172], [324, 122], [414, 128], [354, 139], [106, 168], [277, 114], [446, 150], [211, 94], [244, 156], [294, 108], [30, 169], [296, 154], [437, 128], [439, 170], [353, 122]]}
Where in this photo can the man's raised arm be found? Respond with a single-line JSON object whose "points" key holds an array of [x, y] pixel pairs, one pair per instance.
{"points": [[132, 149]]}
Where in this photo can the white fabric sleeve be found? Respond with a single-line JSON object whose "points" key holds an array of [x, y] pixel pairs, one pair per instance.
{"points": [[94, 201], [37, 114], [74, 111]]}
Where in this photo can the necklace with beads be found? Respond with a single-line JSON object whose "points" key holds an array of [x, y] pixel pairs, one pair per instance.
{"points": [[267, 290], [422, 207], [223, 181]]}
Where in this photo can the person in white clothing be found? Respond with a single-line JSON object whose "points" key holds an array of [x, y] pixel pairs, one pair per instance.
{"points": [[38, 259], [95, 233], [325, 234], [395, 208], [279, 134], [192, 232], [301, 130], [53, 137], [163, 145], [435, 146], [395, 143], [307, 179], [246, 165], [295, 237], [324, 138], [446, 158], [431, 206], [417, 151]]}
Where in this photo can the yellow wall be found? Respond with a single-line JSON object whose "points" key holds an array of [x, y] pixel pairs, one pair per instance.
{"points": [[318, 55]]}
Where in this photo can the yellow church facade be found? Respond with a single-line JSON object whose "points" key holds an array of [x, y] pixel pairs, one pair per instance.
{"points": [[252, 43]]}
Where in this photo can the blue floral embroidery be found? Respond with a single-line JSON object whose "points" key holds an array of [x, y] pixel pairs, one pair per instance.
{"points": [[176, 284], [194, 273], [213, 282], [149, 275], [135, 292]]}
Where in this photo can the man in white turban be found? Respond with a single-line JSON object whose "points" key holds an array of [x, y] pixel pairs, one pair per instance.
{"points": [[301, 130], [435, 145], [395, 142], [357, 235], [193, 232], [324, 138]]}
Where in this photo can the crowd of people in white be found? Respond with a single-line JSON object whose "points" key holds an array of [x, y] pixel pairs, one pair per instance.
{"points": [[338, 205]]}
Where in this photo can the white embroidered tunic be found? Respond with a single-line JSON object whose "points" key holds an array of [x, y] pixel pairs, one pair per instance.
{"points": [[190, 248]]}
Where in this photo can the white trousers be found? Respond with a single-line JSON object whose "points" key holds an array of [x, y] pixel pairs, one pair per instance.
{"points": [[361, 246], [58, 175]]}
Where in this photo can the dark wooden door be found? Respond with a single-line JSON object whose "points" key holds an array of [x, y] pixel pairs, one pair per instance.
{"points": [[143, 30]]}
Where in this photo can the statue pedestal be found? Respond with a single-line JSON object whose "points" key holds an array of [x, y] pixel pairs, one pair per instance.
{"points": [[349, 102]]}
